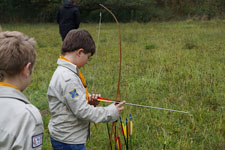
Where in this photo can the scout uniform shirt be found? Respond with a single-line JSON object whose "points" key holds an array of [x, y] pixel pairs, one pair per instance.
{"points": [[70, 110], [21, 126]]}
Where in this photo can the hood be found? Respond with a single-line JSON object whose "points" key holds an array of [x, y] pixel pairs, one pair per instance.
{"points": [[68, 5]]}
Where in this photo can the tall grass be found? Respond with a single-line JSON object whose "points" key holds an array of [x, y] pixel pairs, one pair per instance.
{"points": [[177, 65]]}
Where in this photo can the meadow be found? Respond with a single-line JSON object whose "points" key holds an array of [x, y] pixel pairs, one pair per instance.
{"points": [[176, 65]]}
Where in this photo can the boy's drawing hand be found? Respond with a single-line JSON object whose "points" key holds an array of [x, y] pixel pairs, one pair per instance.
{"points": [[120, 107], [93, 99]]}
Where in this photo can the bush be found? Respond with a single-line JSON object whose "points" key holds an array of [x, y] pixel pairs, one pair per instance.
{"points": [[125, 11]]}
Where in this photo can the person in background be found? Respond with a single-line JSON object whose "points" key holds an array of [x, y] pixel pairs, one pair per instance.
{"points": [[21, 126], [68, 17], [70, 104]]}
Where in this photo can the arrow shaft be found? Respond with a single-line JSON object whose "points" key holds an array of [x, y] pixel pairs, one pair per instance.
{"points": [[151, 107], [138, 105]]}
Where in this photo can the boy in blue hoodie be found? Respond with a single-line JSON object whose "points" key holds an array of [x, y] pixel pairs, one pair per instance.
{"points": [[68, 17]]}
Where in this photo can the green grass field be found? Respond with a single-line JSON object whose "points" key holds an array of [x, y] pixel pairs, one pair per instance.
{"points": [[176, 65]]}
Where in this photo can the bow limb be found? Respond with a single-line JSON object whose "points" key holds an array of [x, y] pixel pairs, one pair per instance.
{"points": [[118, 26]]}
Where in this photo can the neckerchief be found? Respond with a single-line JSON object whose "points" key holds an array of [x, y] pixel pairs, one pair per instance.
{"points": [[81, 78], [9, 85]]}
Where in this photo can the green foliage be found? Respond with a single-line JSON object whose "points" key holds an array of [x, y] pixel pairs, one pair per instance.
{"points": [[167, 76], [125, 10]]}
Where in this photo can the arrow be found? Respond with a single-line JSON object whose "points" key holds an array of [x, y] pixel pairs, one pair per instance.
{"points": [[130, 131], [101, 99]]}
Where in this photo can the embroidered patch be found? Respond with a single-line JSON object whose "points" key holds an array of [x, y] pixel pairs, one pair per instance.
{"points": [[73, 93], [37, 140]]}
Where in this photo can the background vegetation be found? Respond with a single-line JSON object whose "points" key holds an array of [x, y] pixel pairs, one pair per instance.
{"points": [[177, 65], [125, 10]]}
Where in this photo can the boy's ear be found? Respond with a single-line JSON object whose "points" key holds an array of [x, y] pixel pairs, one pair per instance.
{"points": [[26, 70], [79, 51]]}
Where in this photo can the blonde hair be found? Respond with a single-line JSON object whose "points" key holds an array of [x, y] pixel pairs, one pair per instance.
{"points": [[16, 50]]}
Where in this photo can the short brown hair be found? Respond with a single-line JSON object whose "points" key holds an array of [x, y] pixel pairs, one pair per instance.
{"points": [[16, 50], [77, 39]]}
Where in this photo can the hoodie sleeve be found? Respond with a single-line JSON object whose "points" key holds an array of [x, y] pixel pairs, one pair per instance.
{"points": [[77, 18]]}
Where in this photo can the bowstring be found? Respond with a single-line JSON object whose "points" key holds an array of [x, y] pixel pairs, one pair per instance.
{"points": [[97, 47]]}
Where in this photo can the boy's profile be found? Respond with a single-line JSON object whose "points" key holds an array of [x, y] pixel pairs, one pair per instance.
{"points": [[70, 104], [21, 125]]}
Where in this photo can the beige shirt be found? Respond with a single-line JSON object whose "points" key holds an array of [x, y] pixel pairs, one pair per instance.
{"points": [[70, 110], [21, 126]]}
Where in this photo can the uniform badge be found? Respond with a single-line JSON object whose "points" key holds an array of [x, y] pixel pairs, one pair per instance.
{"points": [[73, 93], [37, 140]]}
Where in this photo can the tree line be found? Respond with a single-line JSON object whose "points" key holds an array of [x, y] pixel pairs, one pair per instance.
{"points": [[125, 10]]}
